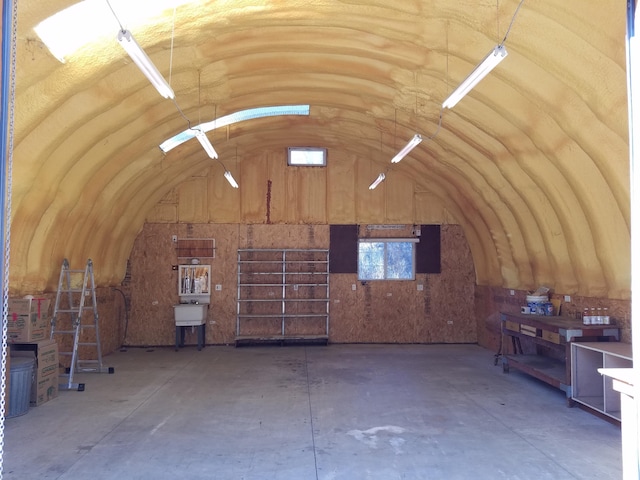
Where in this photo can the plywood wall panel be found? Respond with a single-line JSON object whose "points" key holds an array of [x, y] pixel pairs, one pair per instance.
{"points": [[284, 236], [294, 195], [276, 207], [254, 172], [370, 204], [451, 293], [154, 284], [224, 200], [341, 182], [400, 200], [345, 309], [306, 195], [390, 312], [163, 213], [193, 206]]}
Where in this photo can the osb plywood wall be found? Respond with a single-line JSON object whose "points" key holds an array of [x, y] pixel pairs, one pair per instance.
{"points": [[390, 312]]}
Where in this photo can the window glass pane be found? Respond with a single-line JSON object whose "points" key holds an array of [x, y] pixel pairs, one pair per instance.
{"points": [[392, 260], [307, 156], [399, 260], [371, 261]]}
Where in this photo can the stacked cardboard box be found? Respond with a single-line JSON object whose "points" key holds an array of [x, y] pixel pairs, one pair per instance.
{"points": [[45, 381], [28, 320]]}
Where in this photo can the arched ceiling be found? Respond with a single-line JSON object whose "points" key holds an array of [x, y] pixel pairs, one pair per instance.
{"points": [[533, 162]]}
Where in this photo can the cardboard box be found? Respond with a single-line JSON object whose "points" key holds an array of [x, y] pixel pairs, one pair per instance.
{"points": [[46, 379], [28, 320]]}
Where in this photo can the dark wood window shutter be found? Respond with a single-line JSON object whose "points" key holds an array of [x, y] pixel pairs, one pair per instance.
{"points": [[343, 248], [428, 250]]}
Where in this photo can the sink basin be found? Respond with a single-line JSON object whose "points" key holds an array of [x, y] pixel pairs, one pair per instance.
{"points": [[188, 314]]}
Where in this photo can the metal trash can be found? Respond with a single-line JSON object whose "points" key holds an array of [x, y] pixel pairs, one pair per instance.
{"points": [[21, 375]]}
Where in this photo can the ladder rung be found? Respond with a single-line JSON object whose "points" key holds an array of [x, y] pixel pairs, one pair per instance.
{"points": [[66, 310]]}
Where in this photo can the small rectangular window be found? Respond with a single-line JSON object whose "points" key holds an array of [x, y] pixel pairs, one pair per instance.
{"points": [[386, 259], [307, 157]]}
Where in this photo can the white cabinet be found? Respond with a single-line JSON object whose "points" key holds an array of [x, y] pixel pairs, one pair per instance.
{"points": [[194, 283], [588, 386]]}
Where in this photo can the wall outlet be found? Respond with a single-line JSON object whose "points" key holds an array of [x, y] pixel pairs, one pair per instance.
{"points": [[218, 287], [295, 287], [353, 286], [420, 287], [389, 294], [567, 298], [512, 292], [449, 322]]}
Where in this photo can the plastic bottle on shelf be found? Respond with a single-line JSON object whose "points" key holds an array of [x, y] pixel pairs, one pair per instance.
{"points": [[586, 319], [600, 319], [594, 317], [605, 316]]}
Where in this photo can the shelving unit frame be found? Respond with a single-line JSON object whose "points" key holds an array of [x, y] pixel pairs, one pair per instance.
{"points": [[588, 386], [283, 295]]}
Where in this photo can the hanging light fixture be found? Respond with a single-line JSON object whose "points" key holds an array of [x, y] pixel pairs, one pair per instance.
{"points": [[230, 179], [206, 144], [144, 63], [413, 143], [489, 63], [377, 181]]}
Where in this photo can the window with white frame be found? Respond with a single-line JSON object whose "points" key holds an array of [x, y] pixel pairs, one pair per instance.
{"points": [[307, 157], [386, 259]]}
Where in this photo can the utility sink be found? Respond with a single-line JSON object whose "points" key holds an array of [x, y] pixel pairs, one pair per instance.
{"points": [[190, 314]]}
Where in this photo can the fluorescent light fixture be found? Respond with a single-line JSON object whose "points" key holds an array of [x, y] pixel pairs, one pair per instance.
{"points": [[489, 63], [232, 118], [306, 157], [377, 181], [85, 22], [206, 144], [413, 143], [230, 179], [144, 63]]}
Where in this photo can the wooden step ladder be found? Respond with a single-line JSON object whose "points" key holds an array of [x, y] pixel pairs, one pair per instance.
{"points": [[76, 297]]}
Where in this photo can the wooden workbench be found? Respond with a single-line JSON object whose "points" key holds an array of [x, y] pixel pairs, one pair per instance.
{"points": [[549, 339]]}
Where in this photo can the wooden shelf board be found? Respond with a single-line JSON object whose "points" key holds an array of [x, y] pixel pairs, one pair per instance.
{"points": [[543, 368]]}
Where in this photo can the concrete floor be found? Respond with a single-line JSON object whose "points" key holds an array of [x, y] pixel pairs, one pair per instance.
{"points": [[302, 413]]}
